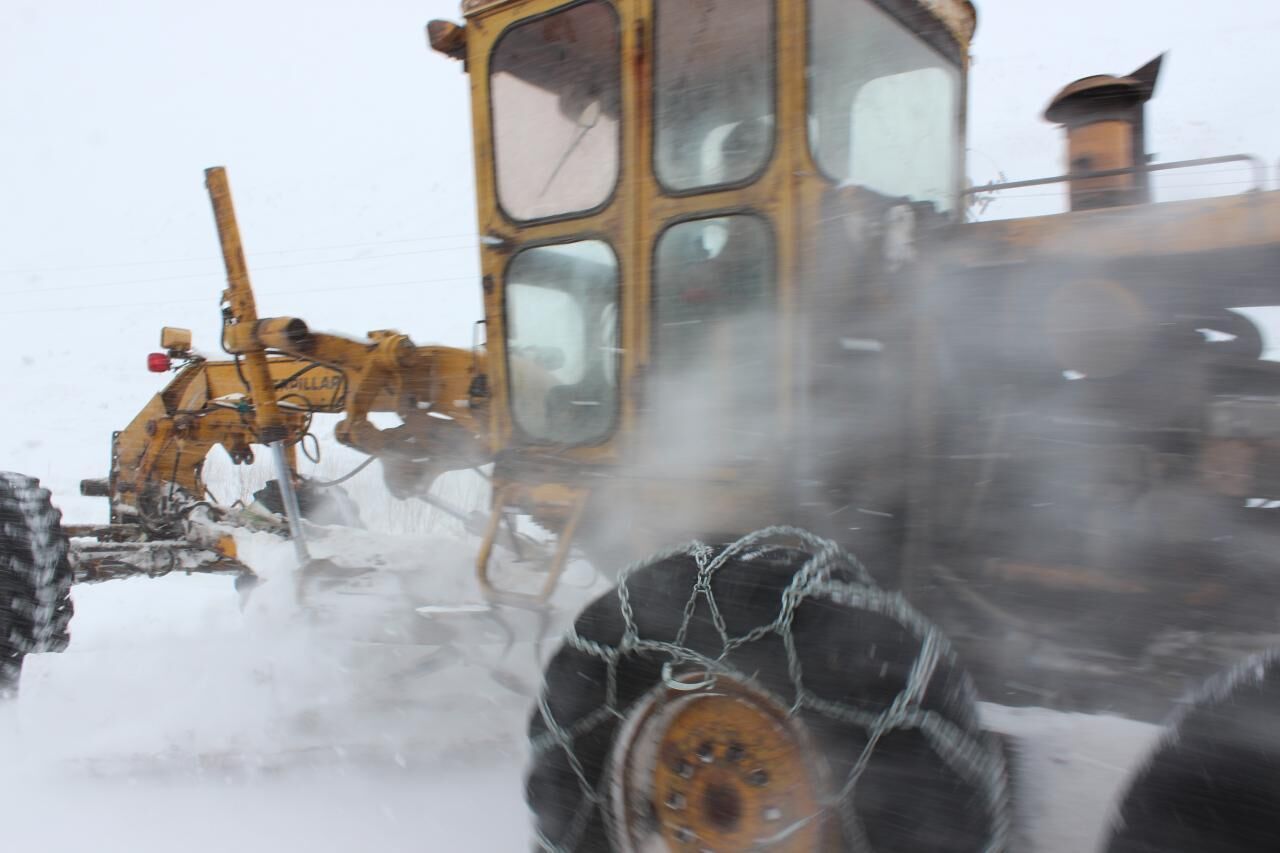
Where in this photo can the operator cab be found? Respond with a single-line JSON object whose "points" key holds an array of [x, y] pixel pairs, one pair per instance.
{"points": [[658, 182]]}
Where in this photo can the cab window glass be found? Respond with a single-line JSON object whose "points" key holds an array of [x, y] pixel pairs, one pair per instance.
{"points": [[713, 92], [713, 337], [883, 105], [562, 341], [555, 94]]}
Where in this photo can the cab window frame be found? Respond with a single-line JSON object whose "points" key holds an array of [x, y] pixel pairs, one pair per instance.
{"points": [[917, 23], [774, 133], [770, 229], [493, 125], [657, 374], [615, 416]]}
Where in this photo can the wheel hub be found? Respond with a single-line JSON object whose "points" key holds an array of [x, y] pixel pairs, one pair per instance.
{"points": [[722, 769]]}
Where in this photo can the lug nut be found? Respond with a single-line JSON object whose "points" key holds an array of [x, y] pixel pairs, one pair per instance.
{"points": [[707, 752], [684, 769], [759, 778], [735, 753], [675, 800], [772, 813]]}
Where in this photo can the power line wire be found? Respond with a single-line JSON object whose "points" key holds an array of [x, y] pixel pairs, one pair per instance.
{"points": [[193, 259], [265, 293], [218, 274]]}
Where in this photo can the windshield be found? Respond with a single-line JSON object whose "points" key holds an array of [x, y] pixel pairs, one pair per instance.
{"points": [[713, 99], [883, 105], [562, 341], [555, 91]]}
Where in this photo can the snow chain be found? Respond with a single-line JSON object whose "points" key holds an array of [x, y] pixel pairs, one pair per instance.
{"points": [[967, 756]]}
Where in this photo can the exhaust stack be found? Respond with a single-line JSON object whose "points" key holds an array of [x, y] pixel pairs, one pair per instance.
{"points": [[1106, 130]]}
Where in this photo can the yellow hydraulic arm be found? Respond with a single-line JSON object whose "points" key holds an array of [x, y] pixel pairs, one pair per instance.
{"points": [[242, 314]]}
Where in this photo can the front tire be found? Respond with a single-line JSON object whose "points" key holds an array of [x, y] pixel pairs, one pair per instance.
{"points": [[35, 577], [875, 690]]}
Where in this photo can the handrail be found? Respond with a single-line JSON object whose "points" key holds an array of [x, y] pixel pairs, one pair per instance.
{"points": [[1259, 173]]}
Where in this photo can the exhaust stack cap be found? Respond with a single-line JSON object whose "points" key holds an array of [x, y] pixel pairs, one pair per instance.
{"points": [[1106, 129]]}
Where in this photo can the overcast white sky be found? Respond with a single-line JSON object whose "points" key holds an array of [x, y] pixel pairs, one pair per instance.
{"points": [[348, 146], [341, 132], [345, 136], [1216, 92]]}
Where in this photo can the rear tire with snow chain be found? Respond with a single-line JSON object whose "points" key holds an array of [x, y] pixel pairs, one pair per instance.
{"points": [[35, 577], [1212, 783], [764, 693]]}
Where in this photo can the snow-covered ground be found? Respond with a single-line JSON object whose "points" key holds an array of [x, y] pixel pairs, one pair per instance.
{"points": [[182, 717], [179, 720], [1068, 771]]}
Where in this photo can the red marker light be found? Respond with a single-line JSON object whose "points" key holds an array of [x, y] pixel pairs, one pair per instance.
{"points": [[158, 362]]}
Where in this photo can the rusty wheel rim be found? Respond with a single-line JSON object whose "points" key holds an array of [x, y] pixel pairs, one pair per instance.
{"points": [[721, 768]]}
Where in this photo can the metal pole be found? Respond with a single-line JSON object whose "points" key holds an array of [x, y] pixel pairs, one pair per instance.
{"points": [[284, 477]]}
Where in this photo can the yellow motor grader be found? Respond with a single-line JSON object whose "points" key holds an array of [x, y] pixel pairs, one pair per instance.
{"points": [[731, 298]]}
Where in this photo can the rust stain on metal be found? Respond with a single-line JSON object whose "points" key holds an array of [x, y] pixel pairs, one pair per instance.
{"points": [[1061, 577], [732, 776]]}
